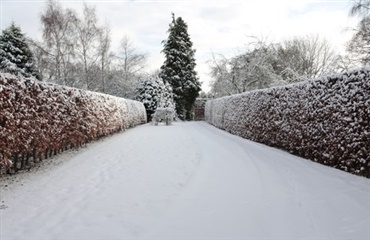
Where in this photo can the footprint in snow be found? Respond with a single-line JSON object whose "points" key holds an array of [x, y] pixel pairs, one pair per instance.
{"points": [[2, 207]]}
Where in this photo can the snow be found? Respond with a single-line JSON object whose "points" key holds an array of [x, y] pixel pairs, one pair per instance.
{"points": [[154, 93], [184, 181], [15, 55], [61, 118], [309, 119]]}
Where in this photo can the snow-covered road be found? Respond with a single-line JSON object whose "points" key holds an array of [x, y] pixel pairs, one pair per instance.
{"points": [[185, 181]]}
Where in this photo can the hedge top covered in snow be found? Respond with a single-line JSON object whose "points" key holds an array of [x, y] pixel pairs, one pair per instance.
{"points": [[326, 120], [36, 117]]}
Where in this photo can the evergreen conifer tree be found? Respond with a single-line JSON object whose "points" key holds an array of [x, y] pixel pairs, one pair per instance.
{"points": [[15, 54], [178, 67], [154, 93]]}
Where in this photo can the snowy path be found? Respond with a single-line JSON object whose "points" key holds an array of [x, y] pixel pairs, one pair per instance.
{"points": [[185, 181]]}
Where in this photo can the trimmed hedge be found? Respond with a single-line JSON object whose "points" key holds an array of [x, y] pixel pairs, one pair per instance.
{"points": [[38, 120], [326, 120]]}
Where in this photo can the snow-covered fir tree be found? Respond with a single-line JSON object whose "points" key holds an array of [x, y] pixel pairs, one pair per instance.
{"points": [[167, 98], [178, 67], [15, 54], [154, 93]]}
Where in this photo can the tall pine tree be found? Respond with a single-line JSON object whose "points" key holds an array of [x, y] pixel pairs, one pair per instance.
{"points": [[178, 68], [15, 54]]}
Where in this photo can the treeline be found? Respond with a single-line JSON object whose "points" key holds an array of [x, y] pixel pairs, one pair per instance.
{"points": [[38, 120], [75, 50], [265, 64]]}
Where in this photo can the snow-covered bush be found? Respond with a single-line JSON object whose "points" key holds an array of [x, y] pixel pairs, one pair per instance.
{"points": [[163, 115], [154, 93], [326, 120], [38, 120]]}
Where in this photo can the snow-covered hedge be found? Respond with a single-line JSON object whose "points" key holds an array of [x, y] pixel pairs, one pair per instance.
{"points": [[326, 120], [38, 119]]}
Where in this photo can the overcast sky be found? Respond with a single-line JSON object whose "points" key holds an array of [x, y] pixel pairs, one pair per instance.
{"points": [[214, 26]]}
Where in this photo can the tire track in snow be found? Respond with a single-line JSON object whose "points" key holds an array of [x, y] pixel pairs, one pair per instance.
{"points": [[269, 194]]}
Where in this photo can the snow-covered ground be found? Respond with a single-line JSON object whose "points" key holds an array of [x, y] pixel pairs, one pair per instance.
{"points": [[185, 181]]}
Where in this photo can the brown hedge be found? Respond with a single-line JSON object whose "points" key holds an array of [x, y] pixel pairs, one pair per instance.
{"points": [[38, 120], [326, 120]]}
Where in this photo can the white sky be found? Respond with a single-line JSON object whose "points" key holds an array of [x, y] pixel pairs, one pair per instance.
{"points": [[214, 26]]}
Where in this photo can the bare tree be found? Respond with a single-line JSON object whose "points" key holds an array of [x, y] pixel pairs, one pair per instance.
{"points": [[220, 72], [253, 69], [41, 57], [359, 45], [130, 59], [265, 64], [59, 37], [87, 47], [130, 66], [75, 51], [360, 8], [105, 54], [307, 57], [347, 62]]}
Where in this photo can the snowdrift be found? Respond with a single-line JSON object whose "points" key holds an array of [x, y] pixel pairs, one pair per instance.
{"points": [[38, 120], [326, 120]]}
